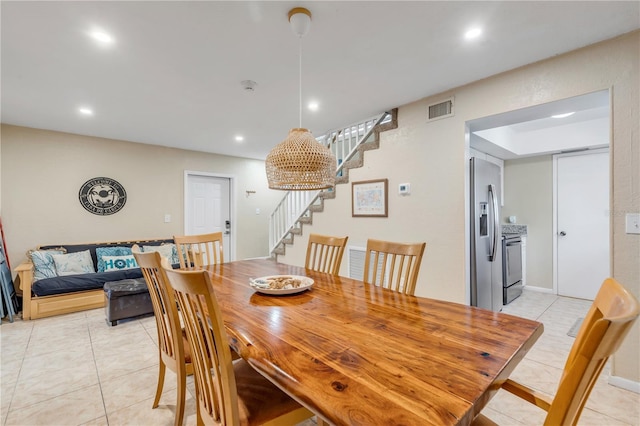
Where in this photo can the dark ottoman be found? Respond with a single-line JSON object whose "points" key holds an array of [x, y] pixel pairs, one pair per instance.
{"points": [[126, 299]]}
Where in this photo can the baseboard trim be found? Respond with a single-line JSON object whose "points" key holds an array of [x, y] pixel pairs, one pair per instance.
{"points": [[623, 383], [538, 289]]}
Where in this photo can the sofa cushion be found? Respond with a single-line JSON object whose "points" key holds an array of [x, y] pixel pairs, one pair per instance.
{"points": [[101, 252], [43, 264], [166, 250], [114, 263], [73, 248], [73, 263], [81, 282]]}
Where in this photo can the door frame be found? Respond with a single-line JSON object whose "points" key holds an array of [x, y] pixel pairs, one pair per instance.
{"points": [[232, 205], [554, 226]]}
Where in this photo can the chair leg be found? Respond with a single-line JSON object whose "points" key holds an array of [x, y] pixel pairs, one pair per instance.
{"points": [[161, 371], [182, 394], [199, 421]]}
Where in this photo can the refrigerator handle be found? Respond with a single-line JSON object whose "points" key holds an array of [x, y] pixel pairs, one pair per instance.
{"points": [[496, 221]]}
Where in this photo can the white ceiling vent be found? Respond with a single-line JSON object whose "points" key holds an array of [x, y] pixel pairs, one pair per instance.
{"points": [[440, 110]]}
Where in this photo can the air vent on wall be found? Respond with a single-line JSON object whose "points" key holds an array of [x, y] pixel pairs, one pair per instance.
{"points": [[355, 264], [355, 261], [441, 110]]}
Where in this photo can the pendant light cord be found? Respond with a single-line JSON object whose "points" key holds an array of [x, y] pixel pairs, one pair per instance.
{"points": [[300, 81]]}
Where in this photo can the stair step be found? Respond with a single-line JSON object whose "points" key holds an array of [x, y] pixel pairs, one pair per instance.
{"points": [[288, 239], [306, 220], [353, 164], [279, 250], [296, 231], [371, 145], [342, 179], [316, 208], [326, 195]]}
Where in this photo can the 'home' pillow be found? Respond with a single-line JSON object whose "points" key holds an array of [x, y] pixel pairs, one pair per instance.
{"points": [[43, 265], [118, 263], [110, 251], [73, 263]]}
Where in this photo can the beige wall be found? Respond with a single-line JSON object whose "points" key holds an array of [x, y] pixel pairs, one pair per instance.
{"points": [[42, 172], [431, 156], [528, 195]]}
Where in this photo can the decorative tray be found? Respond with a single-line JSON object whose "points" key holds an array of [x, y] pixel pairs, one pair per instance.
{"points": [[281, 284]]}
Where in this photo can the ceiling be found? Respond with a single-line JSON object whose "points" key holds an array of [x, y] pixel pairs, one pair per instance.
{"points": [[172, 76], [572, 124]]}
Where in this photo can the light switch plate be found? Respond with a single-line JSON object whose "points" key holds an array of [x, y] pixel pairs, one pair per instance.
{"points": [[167, 218], [633, 223]]}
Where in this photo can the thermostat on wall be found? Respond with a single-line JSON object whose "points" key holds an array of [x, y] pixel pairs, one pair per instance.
{"points": [[404, 189]]}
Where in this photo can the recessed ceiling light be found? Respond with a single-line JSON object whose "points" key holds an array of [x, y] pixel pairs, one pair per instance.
{"points": [[239, 138], [313, 106], [473, 33], [567, 114], [85, 111], [101, 36]]}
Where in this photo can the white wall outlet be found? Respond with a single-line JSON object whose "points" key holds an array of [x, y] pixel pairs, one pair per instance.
{"points": [[404, 189], [632, 223], [167, 218], [258, 211]]}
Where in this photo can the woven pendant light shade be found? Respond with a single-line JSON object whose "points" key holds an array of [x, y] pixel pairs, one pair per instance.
{"points": [[300, 163]]}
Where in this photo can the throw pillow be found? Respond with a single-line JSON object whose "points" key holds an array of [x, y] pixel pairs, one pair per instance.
{"points": [[118, 263], [110, 251], [73, 263], [166, 250], [43, 265]]}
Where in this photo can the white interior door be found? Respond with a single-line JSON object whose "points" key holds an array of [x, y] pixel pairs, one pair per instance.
{"points": [[208, 207], [582, 224]]}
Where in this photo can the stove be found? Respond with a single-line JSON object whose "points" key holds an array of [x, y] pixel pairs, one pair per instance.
{"points": [[511, 267]]}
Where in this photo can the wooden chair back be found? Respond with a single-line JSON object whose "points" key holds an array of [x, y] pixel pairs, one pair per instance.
{"points": [[214, 377], [171, 344], [608, 321], [197, 251], [393, 265], [324, 253]]}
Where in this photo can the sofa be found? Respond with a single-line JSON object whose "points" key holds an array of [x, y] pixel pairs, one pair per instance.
{"points": [[58, 279]]}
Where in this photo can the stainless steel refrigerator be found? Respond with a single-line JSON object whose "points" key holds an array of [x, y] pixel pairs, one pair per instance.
{"points": [[486, 235]]}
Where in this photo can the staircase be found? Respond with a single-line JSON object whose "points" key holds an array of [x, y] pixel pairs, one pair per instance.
{"points": [[348, 144]]}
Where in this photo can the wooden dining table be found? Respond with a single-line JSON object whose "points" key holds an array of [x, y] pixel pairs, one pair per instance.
{"points": [[359, 354]]}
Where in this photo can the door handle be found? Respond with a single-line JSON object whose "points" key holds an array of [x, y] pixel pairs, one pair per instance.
{"points": [[494, 202], [562, 233]]}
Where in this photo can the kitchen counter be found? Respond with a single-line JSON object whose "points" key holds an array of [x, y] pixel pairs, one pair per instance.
{"points": [[513, 229]]}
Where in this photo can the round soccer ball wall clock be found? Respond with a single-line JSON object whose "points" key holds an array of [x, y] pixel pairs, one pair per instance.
{"points": [[102, 196]]}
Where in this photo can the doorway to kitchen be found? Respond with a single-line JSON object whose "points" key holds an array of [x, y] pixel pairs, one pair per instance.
{"points": [[207, 207], [527, 141]]}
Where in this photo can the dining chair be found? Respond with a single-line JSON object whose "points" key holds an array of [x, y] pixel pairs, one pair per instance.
{"points": [[197, 251], [324, 253], [173, 348], [393, 265], [608, 321], [227, 393]]}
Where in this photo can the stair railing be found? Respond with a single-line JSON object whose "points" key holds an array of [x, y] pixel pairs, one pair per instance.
{"points": [[343, 143]]}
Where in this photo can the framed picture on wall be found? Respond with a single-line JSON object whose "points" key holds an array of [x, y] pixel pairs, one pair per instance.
{"points": [[369, 198]]}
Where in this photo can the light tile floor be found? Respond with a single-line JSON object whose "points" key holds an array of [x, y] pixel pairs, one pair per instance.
{"points": [[75, 370]]}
